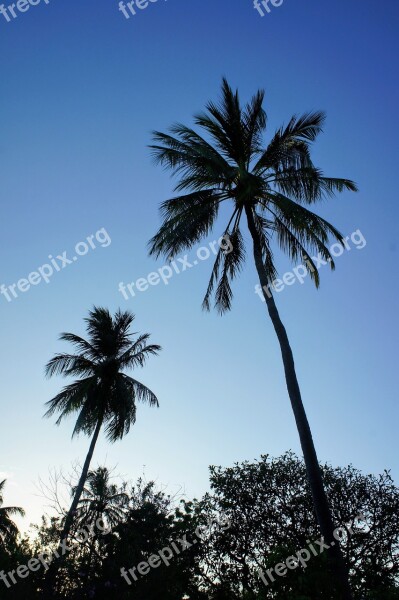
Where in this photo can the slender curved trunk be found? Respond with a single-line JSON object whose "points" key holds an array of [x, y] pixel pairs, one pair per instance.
{"points": [[315, 479], [60, 553], [69, 520]]}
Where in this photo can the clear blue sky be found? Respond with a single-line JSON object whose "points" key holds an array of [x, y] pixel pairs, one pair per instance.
{"points": [[82, 87]]}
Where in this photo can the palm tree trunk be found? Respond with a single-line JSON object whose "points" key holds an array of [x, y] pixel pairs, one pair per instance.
{"points": [[52, 572], [315, 479], [69, 519]]}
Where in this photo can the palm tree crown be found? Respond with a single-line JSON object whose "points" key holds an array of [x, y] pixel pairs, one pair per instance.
{"points": [[268, 184], [8, 529], [103, 391], [102, 499]]}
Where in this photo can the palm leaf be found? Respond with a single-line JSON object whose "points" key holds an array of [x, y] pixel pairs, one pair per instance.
{"points": [[187, 219]]}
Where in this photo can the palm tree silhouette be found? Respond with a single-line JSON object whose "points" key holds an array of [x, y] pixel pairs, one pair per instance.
{"points": [[103, 395], [268, 187], [102, 499], [8, 529]]}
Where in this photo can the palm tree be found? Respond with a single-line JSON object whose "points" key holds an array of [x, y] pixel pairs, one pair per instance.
{"points": [[269, 188], [8, 529], [103, 395], [102, 499]]}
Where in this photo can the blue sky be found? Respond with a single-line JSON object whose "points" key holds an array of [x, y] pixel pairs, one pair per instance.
{"points": [[82, 88]]}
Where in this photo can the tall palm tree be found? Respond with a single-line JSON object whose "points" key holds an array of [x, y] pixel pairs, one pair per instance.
{"points": [[8, 529], [268, 187], [103, 395]]}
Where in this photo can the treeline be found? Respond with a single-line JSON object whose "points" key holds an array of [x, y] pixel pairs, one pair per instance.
{"points": [[137, 543]]}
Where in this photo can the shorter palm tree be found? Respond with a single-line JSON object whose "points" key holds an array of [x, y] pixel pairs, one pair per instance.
{"points": [[103, 506], [102, 500], [102, 395], [8, 529]]}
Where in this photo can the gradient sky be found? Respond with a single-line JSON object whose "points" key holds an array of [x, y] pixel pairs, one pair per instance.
{"points": [[82, 88]]}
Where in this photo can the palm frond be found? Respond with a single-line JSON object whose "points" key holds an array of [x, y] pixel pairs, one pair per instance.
{"points": [[220, 257], [301, 232], [8, 529], [122, 322], [141, 392], [264, 227], [71, 398], [308, 184], [289, 147], [331, 185], [305, 221], [86, 349], [69, 364], [254, 121], [187, 219], [198, 165], [224, 124], [206, 155], [305, 127], [13, 511], [137, 355], [122, 409], [91, 413], [291, 245], [232, 264]]}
